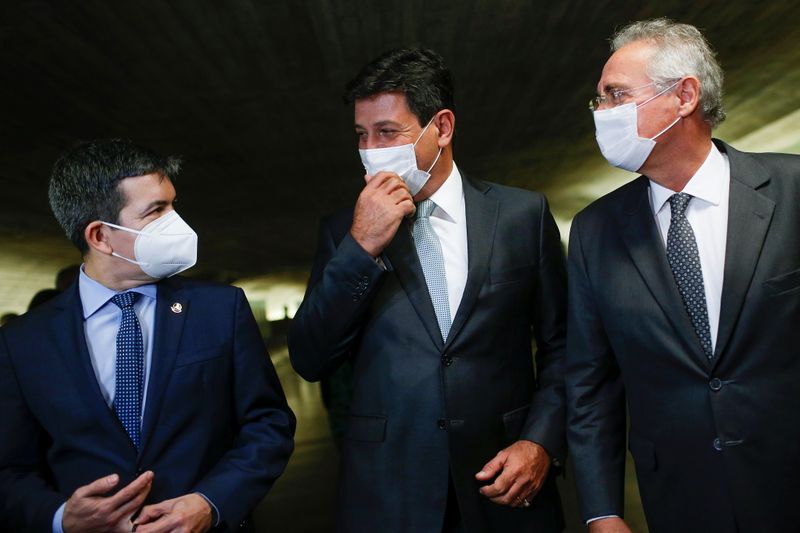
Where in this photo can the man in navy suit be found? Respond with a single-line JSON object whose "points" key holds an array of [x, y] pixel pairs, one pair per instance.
{"points": [[135, 399], [684, 304], [453, 425]]}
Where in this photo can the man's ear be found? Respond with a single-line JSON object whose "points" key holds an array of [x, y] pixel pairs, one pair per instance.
{"points": [[688, 92], [96, 235], [445, 122]]}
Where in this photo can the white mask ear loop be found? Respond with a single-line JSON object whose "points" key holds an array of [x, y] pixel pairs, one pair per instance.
{"points": [[129, 230], [435, 160], [424, 130], [420, 137], [662, 132], [123, 228]]}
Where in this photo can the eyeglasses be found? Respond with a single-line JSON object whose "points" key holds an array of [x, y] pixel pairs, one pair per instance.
{"points": [[617, 97]]}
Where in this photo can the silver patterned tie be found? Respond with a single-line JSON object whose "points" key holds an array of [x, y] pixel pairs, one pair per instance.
{"points": [[684, 259], [429, 250]]}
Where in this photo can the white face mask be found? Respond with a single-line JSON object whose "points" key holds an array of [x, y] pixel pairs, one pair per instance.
{"points": [[164, 247], [617, 134], [401, 160]]}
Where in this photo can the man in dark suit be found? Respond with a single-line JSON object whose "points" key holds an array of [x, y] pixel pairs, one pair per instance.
{"points": [[684, 301], [135, 396], [451, 428]]}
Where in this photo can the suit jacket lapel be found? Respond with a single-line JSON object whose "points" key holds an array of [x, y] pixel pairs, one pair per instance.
{"points": [[403, 257], [646, 249], [749, 217], [71, 339], [171, 308], [481, 214]]}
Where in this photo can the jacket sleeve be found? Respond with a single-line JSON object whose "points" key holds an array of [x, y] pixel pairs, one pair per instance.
{"points": [[327, 324], [28, 501], [595, 396], [265, 439], [546, 417]]}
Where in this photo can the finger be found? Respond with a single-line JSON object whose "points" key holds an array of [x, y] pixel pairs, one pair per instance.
{"points": [[164, 524], [367, 178], [407, 207], [129, 508], [398, 195], [150, 513], [500, 486], [380, 178], [98, 486], [129, 492], [395, 183], [491, 468], [512, 497]]}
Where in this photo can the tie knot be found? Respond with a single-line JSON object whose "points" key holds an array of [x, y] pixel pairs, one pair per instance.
{"points": [[678, 202], [425, 208], [124, 299]]}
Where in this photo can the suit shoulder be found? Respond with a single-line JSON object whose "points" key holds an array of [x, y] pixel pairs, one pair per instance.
{"points": [[204, 289], [615, 200], [31, 322], [780, 165], [514, 196]]}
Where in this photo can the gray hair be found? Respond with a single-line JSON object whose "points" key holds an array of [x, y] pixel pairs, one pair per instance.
{"points": [[681, 50], [84, 184]]}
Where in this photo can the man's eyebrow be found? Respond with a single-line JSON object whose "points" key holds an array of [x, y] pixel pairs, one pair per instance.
{"points": [[155, 203]]}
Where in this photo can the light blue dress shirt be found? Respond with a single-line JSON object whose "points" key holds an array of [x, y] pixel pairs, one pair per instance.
{"points": [[101, 319]]}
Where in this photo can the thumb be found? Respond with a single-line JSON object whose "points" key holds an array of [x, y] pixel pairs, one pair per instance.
{"points": [[493, 467], [367, 178]]}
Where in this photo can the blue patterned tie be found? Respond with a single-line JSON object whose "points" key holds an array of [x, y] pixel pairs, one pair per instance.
{"points": [[429, 250], [129, 368], [684, 260]]}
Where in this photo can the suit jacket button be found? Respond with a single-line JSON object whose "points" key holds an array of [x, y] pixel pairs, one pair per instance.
{"points": [[715, 384], [717, 445], [447, 360], [442, 423]]}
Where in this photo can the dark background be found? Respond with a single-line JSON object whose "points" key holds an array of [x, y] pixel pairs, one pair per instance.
{"points": [[250, 93]]}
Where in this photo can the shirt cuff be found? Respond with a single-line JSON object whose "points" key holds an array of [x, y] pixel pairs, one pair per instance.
{"points": [[57, 518], [601, 517], [215, 518]]}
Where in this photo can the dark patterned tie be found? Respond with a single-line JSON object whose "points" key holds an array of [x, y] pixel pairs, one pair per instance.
{"points": [[429, 250], [129, 368], [684, 260]]}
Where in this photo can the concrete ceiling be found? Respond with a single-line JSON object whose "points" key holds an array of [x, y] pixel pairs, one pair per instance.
{"points": [[249, 92]]}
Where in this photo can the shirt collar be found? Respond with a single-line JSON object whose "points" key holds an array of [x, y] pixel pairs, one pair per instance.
{"points": [[95, 295], [449, 197], [706, 184]]}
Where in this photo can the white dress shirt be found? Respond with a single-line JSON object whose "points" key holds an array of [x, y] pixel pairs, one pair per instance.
{"points": [[708, 215], [449, 222]]}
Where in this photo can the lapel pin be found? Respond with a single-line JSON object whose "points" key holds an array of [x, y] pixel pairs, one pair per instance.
{"points": [[176, 308]]}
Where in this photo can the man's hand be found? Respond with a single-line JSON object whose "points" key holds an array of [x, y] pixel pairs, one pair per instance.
{"points": [[522, 469], [187, 514], [609, 525], [88, 510], [380, 208]]}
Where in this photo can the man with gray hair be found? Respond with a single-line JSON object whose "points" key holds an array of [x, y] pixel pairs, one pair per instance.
{"points": [[684, 301]]}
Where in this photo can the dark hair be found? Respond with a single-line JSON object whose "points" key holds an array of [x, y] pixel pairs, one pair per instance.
{"points": [[419, 73], [84, 185]]}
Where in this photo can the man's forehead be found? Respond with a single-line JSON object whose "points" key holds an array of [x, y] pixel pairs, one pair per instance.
{"points": [[382, 107], [627, 66]]}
